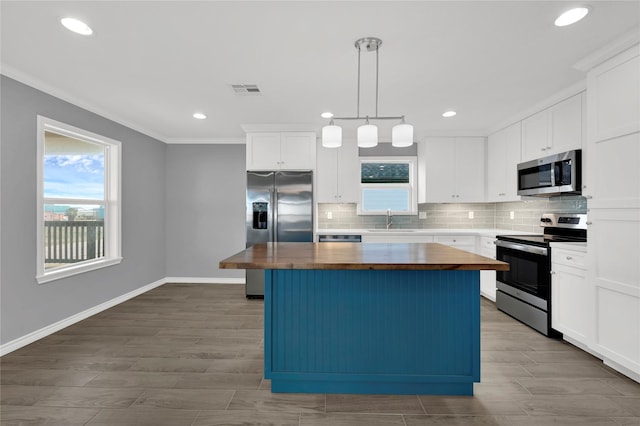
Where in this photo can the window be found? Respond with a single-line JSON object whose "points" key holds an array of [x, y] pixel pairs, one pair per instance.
{"points": [[388, 184], [78, 201]]}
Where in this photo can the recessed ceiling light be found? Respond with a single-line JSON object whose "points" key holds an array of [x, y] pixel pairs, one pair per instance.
{"points": [[571, 16], [449, 114], [326, 115], [76, 26], [199, 116]]}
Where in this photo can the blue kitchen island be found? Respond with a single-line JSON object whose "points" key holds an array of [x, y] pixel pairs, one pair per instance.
{"points": [[370, 318]]}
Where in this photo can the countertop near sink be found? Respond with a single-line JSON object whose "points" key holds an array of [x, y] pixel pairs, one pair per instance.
{"points": [[424, 231]]}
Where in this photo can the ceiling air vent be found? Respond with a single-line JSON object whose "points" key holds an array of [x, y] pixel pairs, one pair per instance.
{"points": [[245, 89]]}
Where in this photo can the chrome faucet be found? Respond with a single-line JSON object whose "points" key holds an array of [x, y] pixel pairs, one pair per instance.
{"points": [[389, 219]]}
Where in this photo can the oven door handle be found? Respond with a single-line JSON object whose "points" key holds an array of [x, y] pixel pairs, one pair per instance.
{"points": [[543, 251]]}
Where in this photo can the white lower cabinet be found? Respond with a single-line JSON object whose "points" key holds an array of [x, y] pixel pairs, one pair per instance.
{"points": [[570, 296], [462, 242], [487, 248]]}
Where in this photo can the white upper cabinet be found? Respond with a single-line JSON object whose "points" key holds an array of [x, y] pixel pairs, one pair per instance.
{"points": [[553, 130], [337, 174], [281, 151], [451, 170], [503, 156], [614, 93]]}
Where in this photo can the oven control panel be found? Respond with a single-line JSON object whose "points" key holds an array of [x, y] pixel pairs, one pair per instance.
{"points": [[564, 220]]}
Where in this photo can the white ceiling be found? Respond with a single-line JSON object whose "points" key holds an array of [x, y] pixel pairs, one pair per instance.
{"points": [[152, 64]]}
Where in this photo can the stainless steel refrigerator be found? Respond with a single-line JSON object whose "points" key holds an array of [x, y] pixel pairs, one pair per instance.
{"points": [[279, 209]]}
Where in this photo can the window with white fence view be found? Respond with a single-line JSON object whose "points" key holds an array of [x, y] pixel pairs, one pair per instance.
{"points": [[388, 184], [79, 184]]}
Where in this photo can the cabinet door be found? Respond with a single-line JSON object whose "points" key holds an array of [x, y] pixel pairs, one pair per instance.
{"points": [[512, 148], [496, 166], [469, 170], [570, 307], [503, 156], [566, 125], [614, 104], [535, 136], [327, 175], [263, 151], [298, 151], [439, 165], [348, 173], [614, 278]]}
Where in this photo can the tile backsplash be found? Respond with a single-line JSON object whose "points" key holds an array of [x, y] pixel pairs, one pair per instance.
{"points": [[526, 215]]}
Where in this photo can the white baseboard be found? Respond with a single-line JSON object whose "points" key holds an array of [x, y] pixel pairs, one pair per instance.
{"points": [[204, 280], [50, 329], [634, 375]]}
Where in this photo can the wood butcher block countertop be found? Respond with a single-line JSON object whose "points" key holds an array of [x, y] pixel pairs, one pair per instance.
{"points": [[358, 256]]}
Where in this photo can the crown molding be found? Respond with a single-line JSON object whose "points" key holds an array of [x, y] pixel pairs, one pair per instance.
{"points": [[40, 85], [206, 141], [608, 51], [281, 127]]}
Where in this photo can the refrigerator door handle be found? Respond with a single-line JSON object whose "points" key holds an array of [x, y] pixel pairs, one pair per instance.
{"points": [[274, 209]]}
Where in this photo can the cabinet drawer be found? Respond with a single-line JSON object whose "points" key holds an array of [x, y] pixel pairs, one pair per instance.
{"points": [[455, 240], [572, 258], [488, 243], [368, 238]]}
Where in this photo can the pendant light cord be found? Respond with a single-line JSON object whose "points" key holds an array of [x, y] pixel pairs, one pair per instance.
{"points": [[358, 107], [377, 51]]}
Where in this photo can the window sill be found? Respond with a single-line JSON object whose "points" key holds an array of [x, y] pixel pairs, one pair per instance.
{"points": [[77, 269]]}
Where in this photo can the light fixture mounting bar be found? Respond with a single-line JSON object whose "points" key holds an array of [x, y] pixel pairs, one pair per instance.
{"points": [[401, 117]]}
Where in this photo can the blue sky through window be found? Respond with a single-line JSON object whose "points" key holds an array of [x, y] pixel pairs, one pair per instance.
{"points": [[74, 176]]}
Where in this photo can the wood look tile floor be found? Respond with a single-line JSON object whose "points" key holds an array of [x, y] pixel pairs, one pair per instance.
{"points": [[191, 354]]}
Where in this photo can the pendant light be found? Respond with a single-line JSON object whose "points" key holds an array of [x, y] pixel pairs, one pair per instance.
{"points": [[367, 134], [402, 135], [332, 136]]}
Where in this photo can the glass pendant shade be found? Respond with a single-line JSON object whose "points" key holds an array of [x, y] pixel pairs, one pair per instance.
{"points": [[367, 136], [332, 136], [402, 135]]}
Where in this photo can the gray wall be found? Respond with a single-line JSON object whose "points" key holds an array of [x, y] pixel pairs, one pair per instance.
{"points": [[205, 198], [27, 306]]}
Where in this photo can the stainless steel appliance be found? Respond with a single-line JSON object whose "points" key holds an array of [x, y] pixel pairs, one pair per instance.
{"points": [[279, 208], [553, 175], [524, 291], [351, 238]]}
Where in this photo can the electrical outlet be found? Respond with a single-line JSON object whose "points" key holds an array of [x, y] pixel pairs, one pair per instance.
{"points": [[329, 215], [512, 215], [422, 215], [470, 215]]}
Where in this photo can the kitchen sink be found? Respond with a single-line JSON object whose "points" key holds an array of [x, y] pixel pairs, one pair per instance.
{"points": [[392, 230]]}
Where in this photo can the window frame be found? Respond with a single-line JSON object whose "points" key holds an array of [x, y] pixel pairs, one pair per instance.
{"points": [[412, 186], [112, 203]]}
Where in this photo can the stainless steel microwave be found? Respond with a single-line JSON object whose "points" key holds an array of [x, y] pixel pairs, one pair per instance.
{"points": [[553, 175]]}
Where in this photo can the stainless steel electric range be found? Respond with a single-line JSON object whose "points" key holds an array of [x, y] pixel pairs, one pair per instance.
{"points": [[524, 291]]}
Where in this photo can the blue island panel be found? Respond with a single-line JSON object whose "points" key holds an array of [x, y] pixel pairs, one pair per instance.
{"points": [[364, 331]]}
